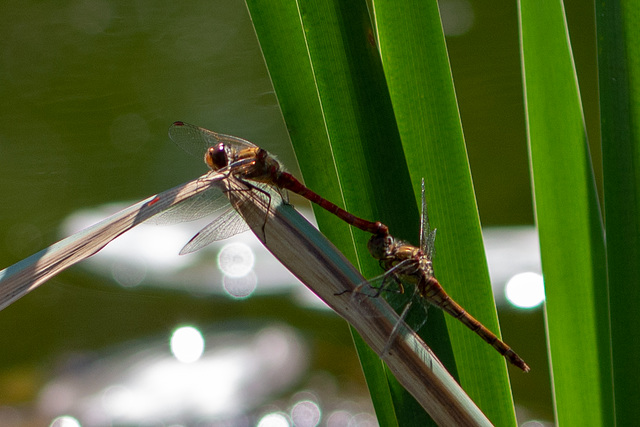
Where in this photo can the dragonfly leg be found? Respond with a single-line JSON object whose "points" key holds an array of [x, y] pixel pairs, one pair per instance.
{"points": [[251, 187], [384, 286]]}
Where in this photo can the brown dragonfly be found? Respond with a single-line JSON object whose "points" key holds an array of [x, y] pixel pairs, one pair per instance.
{"points": [[406, 263], [254, 167]]}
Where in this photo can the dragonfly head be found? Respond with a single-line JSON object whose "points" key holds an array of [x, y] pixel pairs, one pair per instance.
{"points": [[216, 157], [381, 245]]}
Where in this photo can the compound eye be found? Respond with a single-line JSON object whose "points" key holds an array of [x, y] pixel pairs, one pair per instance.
{"points": [[216, 157]]}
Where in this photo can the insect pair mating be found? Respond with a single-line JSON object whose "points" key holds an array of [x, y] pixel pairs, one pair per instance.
{"points": [[260, 171]]}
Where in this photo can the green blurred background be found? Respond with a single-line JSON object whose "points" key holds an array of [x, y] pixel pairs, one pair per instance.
{"points": [[88, 90]]}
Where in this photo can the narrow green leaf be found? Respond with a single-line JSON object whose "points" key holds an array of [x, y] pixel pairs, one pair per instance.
{"points": [[420, 83], [281, 37], [315, 96], [569, 222], [619, 69]]}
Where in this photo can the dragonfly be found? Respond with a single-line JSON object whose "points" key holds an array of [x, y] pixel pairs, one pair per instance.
{"points": [[405, 263], [252, 166]]}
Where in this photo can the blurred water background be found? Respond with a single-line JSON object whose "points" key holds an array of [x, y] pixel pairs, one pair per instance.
{"points": [[88, 90]]}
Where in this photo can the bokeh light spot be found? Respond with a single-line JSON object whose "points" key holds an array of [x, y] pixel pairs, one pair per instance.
{"points": [[457, 17], [240, 287], [274, 420], [187, 344], [236, 260], [525, 290], [65, 421], [305, 414]]}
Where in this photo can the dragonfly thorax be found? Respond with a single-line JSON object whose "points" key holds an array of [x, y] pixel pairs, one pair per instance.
{"points": [[426, 266], [256, 164]]}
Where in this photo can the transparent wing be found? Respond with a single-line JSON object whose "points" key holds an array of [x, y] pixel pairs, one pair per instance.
{"points": [[194, 208], [226, 225], [386, 282], [196, 140], [230, 222], [411, 308], [399, 294], [414, 314], [427, 235]]}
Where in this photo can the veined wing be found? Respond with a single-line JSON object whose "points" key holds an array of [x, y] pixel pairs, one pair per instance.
{"points": [[427, 235], [405, 299], [226, 225], [26, 275], [230, 222], [206, 203], [196, 140]]}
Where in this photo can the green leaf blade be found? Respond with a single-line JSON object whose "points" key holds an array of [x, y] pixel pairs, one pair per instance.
{"points": [[618, 69], [568, 218], [421, 87], [328, 144]]}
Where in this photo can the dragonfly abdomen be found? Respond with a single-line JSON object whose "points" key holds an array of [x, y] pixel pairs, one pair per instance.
{"points": [[433, 292], [288, 181]]}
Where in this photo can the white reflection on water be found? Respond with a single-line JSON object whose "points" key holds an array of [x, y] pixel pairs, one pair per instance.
{"points": [[237, 373]]}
